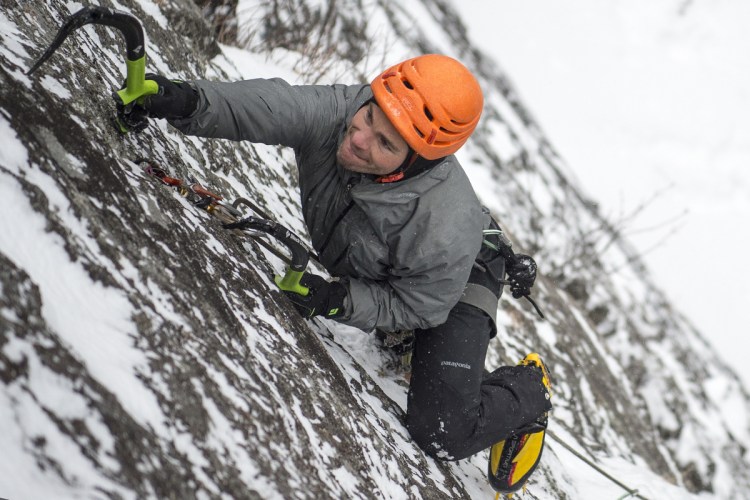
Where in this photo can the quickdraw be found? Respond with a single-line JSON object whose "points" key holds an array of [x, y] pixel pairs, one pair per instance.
{"points": [[198, 195], [231, 218], [136, 86]]}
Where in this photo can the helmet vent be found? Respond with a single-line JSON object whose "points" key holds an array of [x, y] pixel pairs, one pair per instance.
{"points": [[427, 113], [407, 84]]}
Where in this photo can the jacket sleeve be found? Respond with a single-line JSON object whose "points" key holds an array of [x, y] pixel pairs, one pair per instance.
{"points": [[430, 268], [406, 303], [265, 111]]}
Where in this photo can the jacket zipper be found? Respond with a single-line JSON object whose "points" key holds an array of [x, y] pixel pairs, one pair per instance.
{"points": [[336, 222], [333, 227]]}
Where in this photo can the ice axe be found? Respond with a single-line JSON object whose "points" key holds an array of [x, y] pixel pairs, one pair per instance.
{"points": [[290, 282], [136, 85]]}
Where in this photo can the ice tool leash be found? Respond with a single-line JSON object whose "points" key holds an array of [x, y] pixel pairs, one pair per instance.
{"points": [[136, 86], [231, 218]]}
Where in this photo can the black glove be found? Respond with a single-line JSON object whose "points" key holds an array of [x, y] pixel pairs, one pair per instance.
{"points": [[326, 298], [175, 99], [521, 271]]}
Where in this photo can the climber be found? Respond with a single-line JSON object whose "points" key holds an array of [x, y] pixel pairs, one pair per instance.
{"points": [[394, 218], [388, 208]]}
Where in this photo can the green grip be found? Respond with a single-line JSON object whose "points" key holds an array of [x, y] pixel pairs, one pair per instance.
{"points": [[290, 282], [136, 85]]}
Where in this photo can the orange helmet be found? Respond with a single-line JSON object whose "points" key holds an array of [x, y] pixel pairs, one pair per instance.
{"points": [[433, 101]]}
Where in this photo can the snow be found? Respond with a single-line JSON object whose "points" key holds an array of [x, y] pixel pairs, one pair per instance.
{"points": [[102, 335], [13, 154], [53, 86], [153, 10], [648, 99]]}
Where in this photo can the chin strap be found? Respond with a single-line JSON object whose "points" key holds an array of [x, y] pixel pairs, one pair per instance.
{"points": [[400, 172], [385, 179]]}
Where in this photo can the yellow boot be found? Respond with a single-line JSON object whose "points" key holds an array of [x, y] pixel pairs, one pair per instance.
{"points": [[535, 360], [514, 459]]}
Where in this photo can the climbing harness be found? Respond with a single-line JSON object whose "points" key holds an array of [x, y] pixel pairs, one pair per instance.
{"points": [[136, 86], [476, 294]]}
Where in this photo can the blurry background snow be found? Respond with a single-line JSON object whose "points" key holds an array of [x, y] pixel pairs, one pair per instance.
{"points": [[649, 103]]}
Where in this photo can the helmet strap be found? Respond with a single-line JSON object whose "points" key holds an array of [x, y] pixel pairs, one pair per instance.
{"points": [[413, 166], [387, 179], [400, 172]]}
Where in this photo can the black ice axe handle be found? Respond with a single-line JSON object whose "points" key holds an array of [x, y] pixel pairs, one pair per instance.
{"points": [[290, 282], [300, 256]]}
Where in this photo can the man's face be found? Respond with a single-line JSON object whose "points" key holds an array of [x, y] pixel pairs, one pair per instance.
{"points": [[371, 144]]}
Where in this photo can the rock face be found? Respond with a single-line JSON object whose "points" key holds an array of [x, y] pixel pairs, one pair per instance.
{"points": [[145, 351]]}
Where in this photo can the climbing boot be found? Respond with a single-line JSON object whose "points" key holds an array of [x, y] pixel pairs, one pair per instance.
{"points": [[400, 343], [514, 459]]}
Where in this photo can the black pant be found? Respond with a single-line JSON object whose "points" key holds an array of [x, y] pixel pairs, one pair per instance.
{"points": [[454, 410]]}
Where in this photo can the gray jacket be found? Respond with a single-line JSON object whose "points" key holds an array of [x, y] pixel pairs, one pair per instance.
{"points": [[405, 249]]}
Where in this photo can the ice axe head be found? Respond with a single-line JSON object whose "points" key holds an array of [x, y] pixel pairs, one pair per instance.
{"points": [[136, 86]]}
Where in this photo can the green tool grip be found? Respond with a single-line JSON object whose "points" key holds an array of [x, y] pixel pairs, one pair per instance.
{"points": [[136, 85], [290, 282]]}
